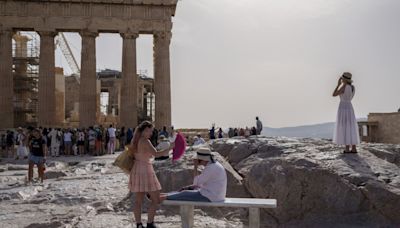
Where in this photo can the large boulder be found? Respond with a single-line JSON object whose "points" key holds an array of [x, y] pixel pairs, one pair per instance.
{"points": [[224, 147], [316, 185]]}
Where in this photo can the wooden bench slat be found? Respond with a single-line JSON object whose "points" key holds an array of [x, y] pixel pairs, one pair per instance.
{"points": [[229, 202]]}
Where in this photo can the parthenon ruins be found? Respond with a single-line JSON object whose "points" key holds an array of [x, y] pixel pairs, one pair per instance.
{"points": [[129, 18]]}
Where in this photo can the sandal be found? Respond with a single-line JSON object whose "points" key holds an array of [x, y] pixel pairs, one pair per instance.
{"points": [[349, 152], [151, 225]]}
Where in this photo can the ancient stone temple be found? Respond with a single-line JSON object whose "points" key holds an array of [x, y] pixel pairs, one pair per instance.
{"points": [[381, 128], [129, 18]]}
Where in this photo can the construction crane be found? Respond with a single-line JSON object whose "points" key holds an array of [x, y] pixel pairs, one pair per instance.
{"points": [[61, 41]]}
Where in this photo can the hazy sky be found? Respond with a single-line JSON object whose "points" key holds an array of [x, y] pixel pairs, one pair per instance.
{"points": [[232, 60]]}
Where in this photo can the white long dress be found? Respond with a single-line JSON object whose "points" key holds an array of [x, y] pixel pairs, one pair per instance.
{"points": [[346, 127]]}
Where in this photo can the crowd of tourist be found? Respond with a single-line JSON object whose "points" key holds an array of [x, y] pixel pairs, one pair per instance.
{"points": [[95, 140], [233, 132]]}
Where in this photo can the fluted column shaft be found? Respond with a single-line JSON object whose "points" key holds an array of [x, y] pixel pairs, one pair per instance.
{"points": [[129, 84], [88, 82], [162, 80], [6, 80], [47, 80]]}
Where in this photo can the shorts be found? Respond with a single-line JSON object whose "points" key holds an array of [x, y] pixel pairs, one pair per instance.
{"points": [[188, 195], [37, 160], [81, 143], [67, 143]]}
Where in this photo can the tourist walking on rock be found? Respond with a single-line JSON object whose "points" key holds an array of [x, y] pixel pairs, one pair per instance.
{"points": [[346, 127], [241, 132], [55, 138], [220, 133], [22, 151], [230, 132], [212, 133], [68, 142], [247, 132], [81, 142], [235, 132], [143, 178], [38, 152], [129, 135], [122, 138], [253, 131], [259, 126], [10, 142], [99, 141], [112, 139]]}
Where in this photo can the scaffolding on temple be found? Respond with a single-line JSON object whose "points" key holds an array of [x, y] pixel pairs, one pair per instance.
{"points": [[25, 75]]}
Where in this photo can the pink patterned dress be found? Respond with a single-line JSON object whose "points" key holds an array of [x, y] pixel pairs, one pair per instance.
{"points": [[142, 177]]}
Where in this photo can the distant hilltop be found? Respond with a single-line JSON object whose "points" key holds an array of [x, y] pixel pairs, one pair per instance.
{"points": [[322, 130]]}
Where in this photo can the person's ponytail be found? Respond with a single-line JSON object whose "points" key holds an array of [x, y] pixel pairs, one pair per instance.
{"points": [[138, 134]]}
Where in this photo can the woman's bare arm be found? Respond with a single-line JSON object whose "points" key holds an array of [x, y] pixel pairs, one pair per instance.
{"points": [[339, 88], [149, 147]]}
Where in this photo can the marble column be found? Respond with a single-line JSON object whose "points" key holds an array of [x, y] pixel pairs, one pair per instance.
{"points": [[6, 80], [47, 80], [88, 81], [129, 83], [162, 81]]}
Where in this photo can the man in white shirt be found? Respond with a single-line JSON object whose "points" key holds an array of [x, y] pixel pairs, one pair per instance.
{"points": [[198, 140], [68, 142], [55, 138], [111, 143], [208, 186]]}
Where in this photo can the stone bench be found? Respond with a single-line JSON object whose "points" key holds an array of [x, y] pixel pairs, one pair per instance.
{"points": [[254, 205]]}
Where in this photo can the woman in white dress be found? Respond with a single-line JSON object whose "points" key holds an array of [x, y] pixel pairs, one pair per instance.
{"points": [[346, 127]]}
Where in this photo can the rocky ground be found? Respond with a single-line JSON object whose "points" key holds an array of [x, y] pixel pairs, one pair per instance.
{"points": [[80, 192], [315, 185]]}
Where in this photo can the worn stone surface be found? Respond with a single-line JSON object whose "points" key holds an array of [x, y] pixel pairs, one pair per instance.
{"points": [[316, 185], [89, 192]]}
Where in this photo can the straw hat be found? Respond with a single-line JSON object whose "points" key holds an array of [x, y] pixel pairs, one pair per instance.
{"points": [[204, 153], [347, 76]]}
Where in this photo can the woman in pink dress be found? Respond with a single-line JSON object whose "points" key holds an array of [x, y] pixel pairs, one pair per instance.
{"points": [[143, 178]]}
